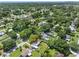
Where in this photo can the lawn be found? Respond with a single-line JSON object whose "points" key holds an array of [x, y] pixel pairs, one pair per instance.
{"points": [[16, 53]]}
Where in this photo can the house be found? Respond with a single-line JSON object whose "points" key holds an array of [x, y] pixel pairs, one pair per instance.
{"points": [[6, 54], [78, 42], [45, 36], [42, 23], [67, 37], [72, 27], [26, 52], [18, 36], [35, 44], [1, 33], [60, 55]]}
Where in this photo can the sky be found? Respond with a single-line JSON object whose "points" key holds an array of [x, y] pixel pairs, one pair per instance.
{"points": [[37, 0]]}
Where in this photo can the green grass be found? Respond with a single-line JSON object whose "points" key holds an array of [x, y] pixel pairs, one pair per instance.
{"points": [[16, 53]]}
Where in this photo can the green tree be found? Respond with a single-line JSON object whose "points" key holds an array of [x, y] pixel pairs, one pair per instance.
{"points": [[42, 48], [1, 46], [37, 15], [36, 54], [17, 12], [74, 42], [60, 45], [8, 44], [26, 45], [12, 34], [33, 38], [25, 33], [20, 25], [51, 53], [44, 28]]}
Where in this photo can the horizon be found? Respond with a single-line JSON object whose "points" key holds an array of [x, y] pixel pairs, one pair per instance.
{"points": [[39, 0], [35, 1]]}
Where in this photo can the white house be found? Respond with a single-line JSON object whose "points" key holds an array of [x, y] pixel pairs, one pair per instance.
{"points": [[1, 33]]}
